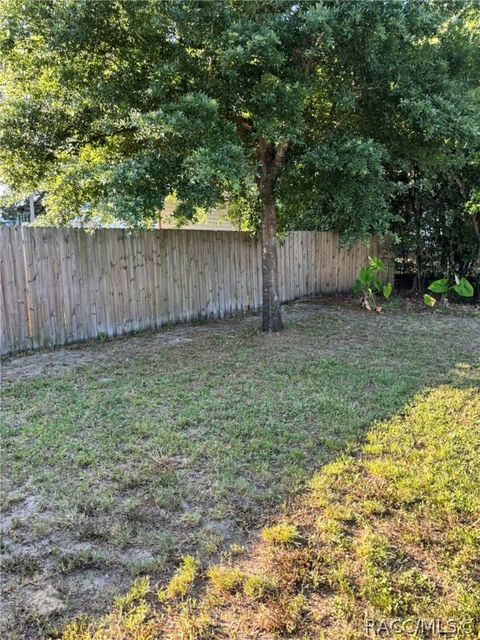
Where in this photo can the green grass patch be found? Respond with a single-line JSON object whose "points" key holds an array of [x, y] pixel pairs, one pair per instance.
{"points": [[281, 533], [182, 580], [144, 453], [415, 560]]}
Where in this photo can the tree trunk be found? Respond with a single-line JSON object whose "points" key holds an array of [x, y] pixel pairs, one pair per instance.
{"points": [[271, 314], [419, 282], [476, 232], [271, 159], [476, 262]]}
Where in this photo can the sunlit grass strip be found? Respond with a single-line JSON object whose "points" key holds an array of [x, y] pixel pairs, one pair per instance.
{"points": [[389, 535]]}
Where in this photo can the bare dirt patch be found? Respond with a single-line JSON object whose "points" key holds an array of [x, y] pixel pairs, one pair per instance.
{"points": [[55, 361]]}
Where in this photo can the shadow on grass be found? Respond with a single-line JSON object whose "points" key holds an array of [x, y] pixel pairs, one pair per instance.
{"points": [[121, 465], [379, 542]]}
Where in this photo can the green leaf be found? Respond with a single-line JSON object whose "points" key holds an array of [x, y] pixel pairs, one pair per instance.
{"points": [[364, 276], [439, 286], [357, 287], [387, 290], [376, 264], [429, 300], [463, 288]]}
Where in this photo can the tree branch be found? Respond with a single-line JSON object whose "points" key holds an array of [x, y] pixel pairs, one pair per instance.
{"points": [[243, 124], [280, 152]]}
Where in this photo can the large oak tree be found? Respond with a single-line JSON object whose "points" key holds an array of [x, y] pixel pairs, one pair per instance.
{"points": [[287, 110]]}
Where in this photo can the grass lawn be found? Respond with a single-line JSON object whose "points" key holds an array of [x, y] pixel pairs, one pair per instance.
{"points": [[121, 457], [384, 544]]}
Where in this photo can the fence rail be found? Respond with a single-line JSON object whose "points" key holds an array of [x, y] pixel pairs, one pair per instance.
{"points": [[60, 286]]}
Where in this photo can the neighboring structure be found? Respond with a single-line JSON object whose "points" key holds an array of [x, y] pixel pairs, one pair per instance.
{"points": [[214, 220], [24, 211]]}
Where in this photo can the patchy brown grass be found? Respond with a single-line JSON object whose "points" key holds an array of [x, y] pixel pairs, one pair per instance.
{"points": [[391, 534], [122, 457]]}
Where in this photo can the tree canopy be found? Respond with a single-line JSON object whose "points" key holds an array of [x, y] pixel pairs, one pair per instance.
{"points": [[298, 114]]}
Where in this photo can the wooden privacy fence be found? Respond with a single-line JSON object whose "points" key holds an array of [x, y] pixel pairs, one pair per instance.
{"points": [[65, 285]]}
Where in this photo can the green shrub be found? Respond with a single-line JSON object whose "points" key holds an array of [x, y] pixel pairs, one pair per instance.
{"points": [[462, 287], [368, 284]]}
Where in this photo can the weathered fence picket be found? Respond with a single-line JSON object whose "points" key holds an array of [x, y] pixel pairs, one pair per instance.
{"points": [[65, 285]]}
